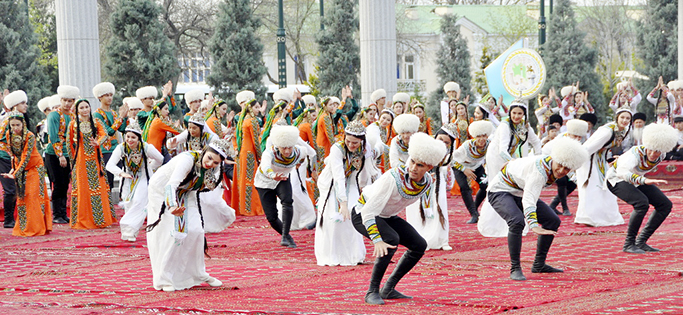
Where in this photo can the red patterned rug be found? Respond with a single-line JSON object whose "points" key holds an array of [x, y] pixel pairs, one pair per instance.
{"points": [[86, 272]]}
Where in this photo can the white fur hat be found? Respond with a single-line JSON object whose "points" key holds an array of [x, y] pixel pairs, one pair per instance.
{"points": [[567, 90], [15, 98], [284, 136], [569, 153], [55, 101], [377, 94], [68, 92], [577, 127], [44, 103], [406, 123], [675, 85], [133, 103], [401, 97], [451, 86], [334, 99], [309, 99], [622, 85], [194, 95], [426, 149], [103, 88], [660, 137], [283, 94], [480, 127], [146, 91], [244, 96]]}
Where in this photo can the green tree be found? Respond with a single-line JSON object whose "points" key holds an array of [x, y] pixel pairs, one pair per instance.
{"points": [[339, 55], [570, 60], [19, 57], [139, 54], [237, 51], [479, 81], [42, 17], [453, 64]]}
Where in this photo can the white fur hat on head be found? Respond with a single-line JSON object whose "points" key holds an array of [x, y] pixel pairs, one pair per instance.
{"points": [[333, 100], [569, 153], [660, 137], [133, 103], [622, 85], [283, 94], [480, 127], [44, 103], [284, 136], [205, 105], [146, 91], [401, 97], [68, 92], [451, 86], [577, 127], [14, 98], [194, 95], [675, 85], [309, 99], [406, 123], [569, 89], [426, 149], [244, 96], [103, 88], [55, 101], [377, 94]]}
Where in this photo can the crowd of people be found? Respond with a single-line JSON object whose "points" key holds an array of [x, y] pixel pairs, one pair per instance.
{"points": [[335, 166]]}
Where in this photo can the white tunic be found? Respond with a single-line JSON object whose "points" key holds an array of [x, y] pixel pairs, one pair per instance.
{"points": [[431, 229], [631, 167], [397, 155], [304, 210]]}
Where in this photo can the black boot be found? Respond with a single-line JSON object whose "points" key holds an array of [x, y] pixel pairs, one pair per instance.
{"points": [[59, 211], [652, 225], [633, 226], [405, 264], [287, 214], [9, 203], [515, 249], [542, 247], [562, 194], [553, 204], [474, 216], [381, 264]]}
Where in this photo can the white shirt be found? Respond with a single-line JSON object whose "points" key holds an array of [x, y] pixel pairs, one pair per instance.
{"points": [[468, 156], [269, 167], [631, 167]]}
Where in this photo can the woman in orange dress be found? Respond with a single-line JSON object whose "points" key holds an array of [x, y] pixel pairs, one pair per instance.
{"points": [[158, 127], [245, 199], [425, 122], [325, 129], [34, 215], [91, 205], [214, 118]]}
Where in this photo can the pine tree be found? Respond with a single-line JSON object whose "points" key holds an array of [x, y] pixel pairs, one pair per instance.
{"points": [[42, 17], [19, 54], [568, 59], [479, 81], [139, 54], [237, 51], [453, 64], [339, 58]]}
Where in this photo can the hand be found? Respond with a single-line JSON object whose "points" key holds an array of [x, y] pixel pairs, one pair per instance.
{"points": [[381, 249], [541, 231], [314, 175], [297, 94], [123, 110], [94, 142], [7, 175], [62, 161], [172, 143], [656, 182], [470, 174], [280, 177], [177, 211], [660, 82], [126, 175], [551, 93], [264, 105], [467, 100], [344, 210], [3, 95], [168, 88]]}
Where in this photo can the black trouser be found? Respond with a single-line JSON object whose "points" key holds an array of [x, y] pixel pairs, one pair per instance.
{"points": [[510, 208], [466, 191], [8, 187], [268, 197], [394, 231], [641, 198], [564, 188], [675, 154], [110, 176], [60, 185]]}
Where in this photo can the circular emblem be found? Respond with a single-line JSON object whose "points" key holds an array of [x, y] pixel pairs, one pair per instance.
{"points": [[523, 73]]}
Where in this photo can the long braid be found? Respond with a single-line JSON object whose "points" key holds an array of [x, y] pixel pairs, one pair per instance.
{"points": [[98, 152], [201, 217]]}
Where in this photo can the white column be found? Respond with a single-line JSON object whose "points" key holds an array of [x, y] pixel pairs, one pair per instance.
{"points": [[78, 45], [377, 47], [680, 39]]}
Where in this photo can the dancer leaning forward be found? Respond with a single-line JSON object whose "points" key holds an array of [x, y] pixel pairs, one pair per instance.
{"points": [[376, 214], [514, 192], [626, 179]]}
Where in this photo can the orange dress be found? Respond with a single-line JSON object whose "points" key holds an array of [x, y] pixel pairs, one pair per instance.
{"points": [[34, 215], [91, 205], [426, 126], [245, 199], [215, 125], [157, 132], [306, 134]]}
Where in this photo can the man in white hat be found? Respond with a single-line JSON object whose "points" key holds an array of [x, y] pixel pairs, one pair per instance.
{"points": [[134, 107], [405, 125], [401, 101], [111, 121], [626, 180], [452, 91], [514, 193], [41, 127], [193, 99], [379, 98], [16, 100], [376, 215], [148, 94], [56, 153]]}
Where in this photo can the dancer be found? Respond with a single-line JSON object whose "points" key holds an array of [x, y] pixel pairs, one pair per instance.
{"points": [[175, 230], [11, 100], [272, 180], [248, 143], [400, 103], [452, 91], [468, 163], [111, 122], [379, 98], [425, 122], [626, 96], [34, 215], [193, 99], [139, 160], [347, 170], [376, 215], [158, 127], [666, 103], [381, 130], [514, 194], [626, 179], [545, 110], [597, 206], [405, 126]]}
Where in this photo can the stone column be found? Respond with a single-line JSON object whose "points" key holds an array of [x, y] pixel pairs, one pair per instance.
{"points": [[78, 45], [377, 47]]}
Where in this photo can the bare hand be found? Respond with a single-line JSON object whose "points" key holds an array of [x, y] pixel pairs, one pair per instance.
{"points": [[123, 110], [467, 100], [280, 177], [297, 94], [656, 182], [168, 88], [126, 175], [62, 161], [541, 231], [551, 93], [314, 175], [177, 211], [171, 143], [381, 249], [470, 174], [264, 105], [3, 95], [344, 210], [94, 142], [7, 175]]}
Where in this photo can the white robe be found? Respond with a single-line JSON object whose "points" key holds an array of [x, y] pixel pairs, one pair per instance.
{"points": [[431, 229], [304, 210]]}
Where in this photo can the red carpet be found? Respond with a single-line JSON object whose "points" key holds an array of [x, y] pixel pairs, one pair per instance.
{"points": [[88, 272]]}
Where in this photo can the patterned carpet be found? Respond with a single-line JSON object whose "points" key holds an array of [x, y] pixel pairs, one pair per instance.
{"points": [[90, 272]]}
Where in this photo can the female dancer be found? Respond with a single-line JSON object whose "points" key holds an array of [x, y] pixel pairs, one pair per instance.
{"points": [[157, 126], [468, 165], [425, 122], [248, 139], [381, 130]]}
